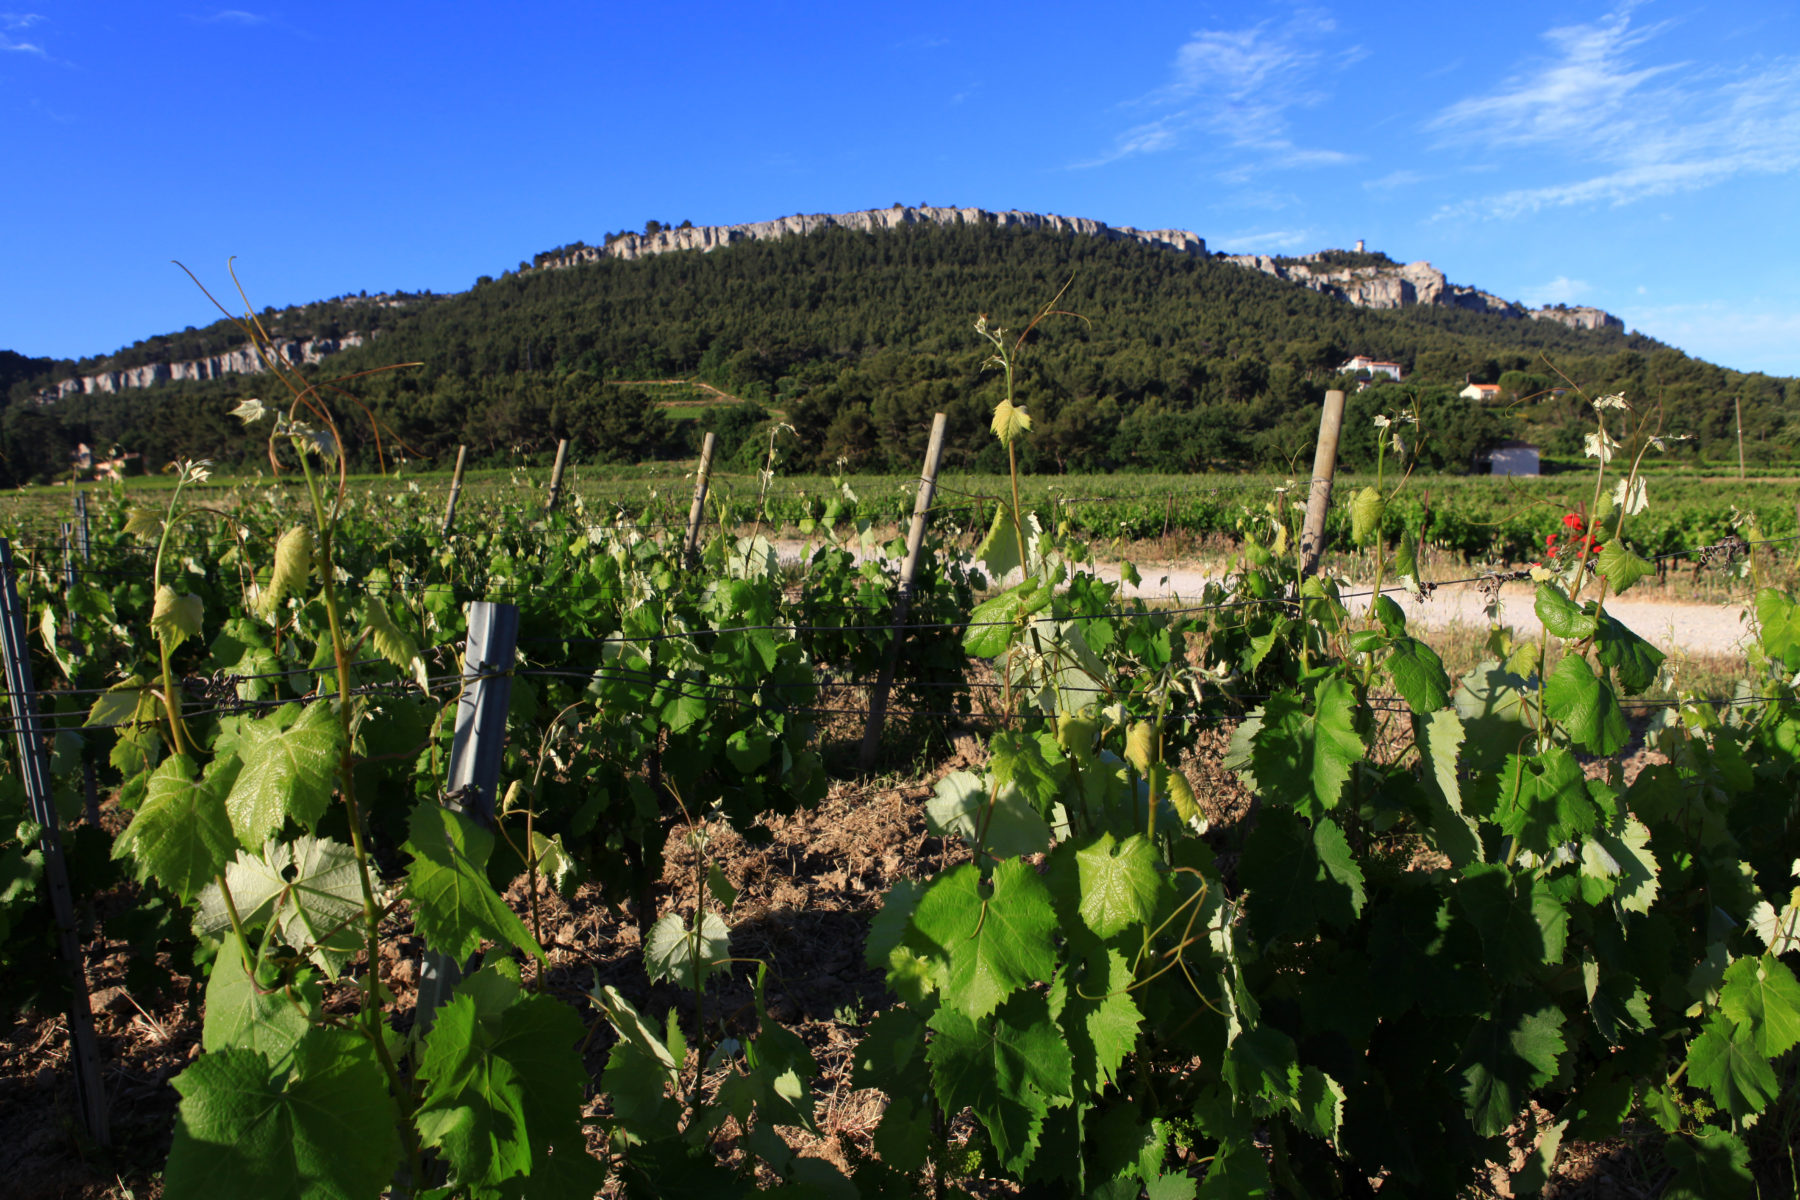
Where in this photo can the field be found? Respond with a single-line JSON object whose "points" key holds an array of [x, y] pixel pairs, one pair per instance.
{"points": [[1258, 891]]}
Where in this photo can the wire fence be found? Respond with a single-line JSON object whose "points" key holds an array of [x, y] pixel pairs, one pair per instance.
{"points": [[219, 693]]}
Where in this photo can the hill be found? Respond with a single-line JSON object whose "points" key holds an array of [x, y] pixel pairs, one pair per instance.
{"points": [[1181, 360]]}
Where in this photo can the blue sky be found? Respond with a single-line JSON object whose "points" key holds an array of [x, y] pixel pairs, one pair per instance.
{"points": [[1639, 157]]}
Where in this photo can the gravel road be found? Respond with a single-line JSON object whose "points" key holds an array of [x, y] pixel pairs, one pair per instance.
{"points": [[1710, 629], [1721, 629]]}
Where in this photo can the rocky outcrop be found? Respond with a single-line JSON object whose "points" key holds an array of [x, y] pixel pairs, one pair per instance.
{"points": [[1580, 317], [1378, 286], [712, 237], [242, 361]]}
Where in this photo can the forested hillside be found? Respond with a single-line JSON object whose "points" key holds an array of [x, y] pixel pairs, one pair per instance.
{"points": [[1175, 362]]}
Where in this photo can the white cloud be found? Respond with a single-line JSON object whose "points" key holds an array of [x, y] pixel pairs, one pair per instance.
{"points": [[1238, 88], [1275, 239], [1628, 127], [20, 20], [1561, 290], [7, 44], [1395, 179], [1746, 335], [237, 16]]}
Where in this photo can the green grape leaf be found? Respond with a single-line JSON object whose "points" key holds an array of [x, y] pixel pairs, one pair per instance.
{"points": [[1634, 661], [959, 805], [996, 943], [1406, 564], [1391, 616], [1621, 858], [993, 620], [1290, 890], [1339, 861], [174, 618], [1452, 831], [242, 1015], [323, 1127], [284, 772], [1544, 800], [748, 750], [887, 929], [1418, 675], [1520, 924], [1621, 566], [454, 906], [1508, 1056], [1727, 1062], [1101, 1019], [1585, 706], [1778, 619], [308, 890], [1762, 996], [1714, 1164], [1119, 883], [1008, 1069], [999, 550], [1366, 511], [641, 1071], [47, 631], [1561, 615], [130, 700], [180, 834], [501, 1088], [393, 643], [670, 954], [293, 563], [1303, 758]]}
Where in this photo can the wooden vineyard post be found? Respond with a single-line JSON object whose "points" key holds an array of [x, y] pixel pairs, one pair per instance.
{"points": [[1318, 499], [915, 540], [474, 757], [698, 509], [84, 536], [34, 771], [1738, 404], [68, 555], [556, 474], [462, 455]]}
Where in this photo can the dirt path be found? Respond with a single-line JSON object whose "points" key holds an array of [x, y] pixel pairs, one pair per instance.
{"points": [[1721, 629], [1694, 628]]}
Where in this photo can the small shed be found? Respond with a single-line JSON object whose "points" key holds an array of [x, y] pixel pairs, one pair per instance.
{"points": [[1481, 391], [1513, 458]]}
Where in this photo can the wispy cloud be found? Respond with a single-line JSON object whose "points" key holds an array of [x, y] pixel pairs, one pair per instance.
{"points": [[1561, 290], [1274, 239], [1651, 128], [1752, 335], [1395, 179], [236, 16], [14, 23], [1239, 88]]}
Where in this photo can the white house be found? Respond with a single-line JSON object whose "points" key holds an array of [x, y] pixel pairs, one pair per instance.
{"points": [[1513, 458], [1482, 391], [1373, 366]]}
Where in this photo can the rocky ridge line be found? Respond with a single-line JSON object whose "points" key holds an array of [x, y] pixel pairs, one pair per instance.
{"points": [[1384, 287], [242, 361], [712, 237], [1414, 283]]}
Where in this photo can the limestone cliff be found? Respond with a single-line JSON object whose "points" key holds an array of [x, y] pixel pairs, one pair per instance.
{"points": [[712, 237], [242, 361]]}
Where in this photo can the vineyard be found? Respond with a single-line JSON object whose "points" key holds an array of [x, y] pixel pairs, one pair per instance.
{"points": [[1241, 895]]}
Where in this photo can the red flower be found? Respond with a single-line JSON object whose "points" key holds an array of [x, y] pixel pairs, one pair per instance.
{"points": [[1550, 541], [1573, 521]]}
